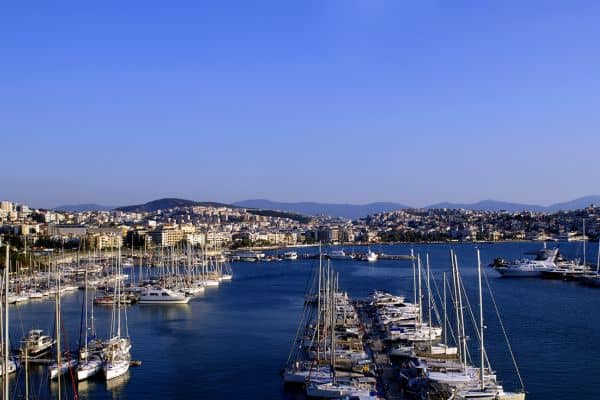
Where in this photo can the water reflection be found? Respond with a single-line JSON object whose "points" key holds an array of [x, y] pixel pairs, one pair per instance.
{"points": [[117, 385]]}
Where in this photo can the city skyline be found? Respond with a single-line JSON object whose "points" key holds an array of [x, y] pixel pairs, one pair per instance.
{"points": [[348, 102]]}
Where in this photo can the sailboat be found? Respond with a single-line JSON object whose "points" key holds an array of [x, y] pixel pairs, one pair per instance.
{"points": [[488, 389], [90, 361], [64, 362], [592, 279], [117, 348], [8, 366], [570, 269]]}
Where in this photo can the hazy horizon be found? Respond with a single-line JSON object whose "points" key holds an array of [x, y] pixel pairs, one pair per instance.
{"points": [[67, 203], [342, 102]]}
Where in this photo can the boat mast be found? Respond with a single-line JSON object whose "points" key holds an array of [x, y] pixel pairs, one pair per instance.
{"points": [[456, 308], [86, 315], [412, 257], [481, 327], [419, 288], [319, 308], [118, 293], [332, 317], [6, 331], [598, 261], [445, 312], [57, 310], [428, 297], [584, 245]]}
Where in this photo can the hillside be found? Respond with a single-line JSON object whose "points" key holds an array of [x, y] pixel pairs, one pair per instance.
{"points": [[166, 203]]}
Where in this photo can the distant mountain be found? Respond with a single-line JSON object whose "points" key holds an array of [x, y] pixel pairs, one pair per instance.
{"points": [[493, 205], [576, 204], [83, 207], [163, 204], [490, 205], [350, 211]]}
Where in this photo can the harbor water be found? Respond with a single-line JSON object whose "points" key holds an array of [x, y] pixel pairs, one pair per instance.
{"points": [[232, 342]]}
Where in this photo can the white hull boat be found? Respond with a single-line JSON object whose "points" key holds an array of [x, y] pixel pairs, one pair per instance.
{"points": [[89, 368], [115, 369], [55, 371], [163, 296]]}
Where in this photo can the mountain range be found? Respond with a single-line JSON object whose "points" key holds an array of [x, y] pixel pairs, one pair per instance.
{"points": [[83, 207], [350, 211], [493, 205], [353, 211], [332, 209]]}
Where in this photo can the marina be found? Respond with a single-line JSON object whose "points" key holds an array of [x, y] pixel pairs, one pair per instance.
{"points": [[240, 315]]}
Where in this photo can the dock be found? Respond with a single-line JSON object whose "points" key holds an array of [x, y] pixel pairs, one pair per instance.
{"points": [[387, 376]]}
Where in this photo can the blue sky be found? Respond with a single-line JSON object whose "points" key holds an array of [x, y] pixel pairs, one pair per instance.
{"points": [[338, 101]]}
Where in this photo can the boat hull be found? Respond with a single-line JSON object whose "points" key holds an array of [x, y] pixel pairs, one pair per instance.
{"points": [[88, 369], [164, 302], [517, 273], [115, 369]]}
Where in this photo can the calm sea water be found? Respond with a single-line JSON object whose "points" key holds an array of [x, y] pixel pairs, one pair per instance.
{"points": [[233, 341]]}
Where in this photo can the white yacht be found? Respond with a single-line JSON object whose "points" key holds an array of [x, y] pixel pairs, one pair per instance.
{"points": [[544, 261], [290, 255], [154, 295], [36, 344], [338, 255], [370, 256]]}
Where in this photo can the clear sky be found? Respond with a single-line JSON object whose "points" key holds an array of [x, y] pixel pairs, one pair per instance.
{"points": [[339, 101]]}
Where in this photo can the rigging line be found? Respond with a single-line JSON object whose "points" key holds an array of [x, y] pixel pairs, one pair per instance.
{"points": [[474, 322], [510, 350], [449, 326], [302, 323]]}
